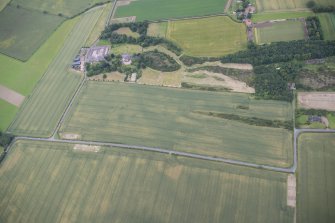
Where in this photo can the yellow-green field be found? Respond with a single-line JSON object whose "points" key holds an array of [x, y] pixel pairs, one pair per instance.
{"points": [[284, 5], [3, 3], [169, 118], [215, 36], [39, 114], [280, 31], [327, 21], [316, 179], [266, 16], [52, 182]]}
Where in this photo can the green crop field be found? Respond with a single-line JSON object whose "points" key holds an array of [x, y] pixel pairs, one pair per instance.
{"points": [[24, 31], [266, 16], [327, 21], [162, 9], [215, 36], [51, 182], [282, 5], [316, 179], [280, 31], [7, 113], [168, 118], [66, 8], [40, 113]]}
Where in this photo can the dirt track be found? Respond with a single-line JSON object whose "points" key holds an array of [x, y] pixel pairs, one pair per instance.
{"points": [[11, 96]]}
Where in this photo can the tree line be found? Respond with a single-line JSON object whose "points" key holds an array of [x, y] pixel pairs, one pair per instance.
{"points": [[314, 28]]}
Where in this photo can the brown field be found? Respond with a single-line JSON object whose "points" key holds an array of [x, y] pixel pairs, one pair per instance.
{"points": [[317, 100], [11, 96]]}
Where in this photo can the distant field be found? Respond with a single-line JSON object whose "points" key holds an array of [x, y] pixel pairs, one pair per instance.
{"points": [[328, 25], [54, 183], [7, 113], [67, 8], [280, 31], [167, 118], [316, 180], [215, 36], [282, 5], [24, 31], [266, 16], [162, 9], [3, 3], [42, 110]]}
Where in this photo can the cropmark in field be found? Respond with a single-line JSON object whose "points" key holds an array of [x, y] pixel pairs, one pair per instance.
{"points": [[214, 36], [289, 30], [182, 120], [52, 182], [316, 180]]}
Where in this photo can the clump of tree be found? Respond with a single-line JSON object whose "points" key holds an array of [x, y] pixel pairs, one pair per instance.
{"points": [[314, 28], [319, 8], [240, 11], [5, 139], [144, 40], [159, 61]]}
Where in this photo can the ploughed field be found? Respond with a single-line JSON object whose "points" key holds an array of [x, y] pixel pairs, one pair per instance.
{"points": [[53, 182], [183, 120]]}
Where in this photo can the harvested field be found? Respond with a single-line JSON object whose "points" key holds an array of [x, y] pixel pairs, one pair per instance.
{"points": [[279, 31], [11, 96], [24, 31], [327, 21], [161, 9], [169, 118], [288, 5], [41, 112], [317, 100], [316, 181], [127, 31], [49, 182], [266, 16], [214, 36]]}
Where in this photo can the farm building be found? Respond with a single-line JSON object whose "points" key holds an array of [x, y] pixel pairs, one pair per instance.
{"points": [[96, 54], [126, 59]]}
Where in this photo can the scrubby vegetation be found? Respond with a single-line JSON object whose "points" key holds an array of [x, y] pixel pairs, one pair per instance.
{"points": [[203, 87], [159, 61], [314, 28], [5, 139], [144, 40], [251, 120]]}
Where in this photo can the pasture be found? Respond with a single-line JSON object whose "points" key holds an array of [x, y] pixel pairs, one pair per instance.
{"points": [[287, 5], [327, 21], [52, 182], [7, 114], [162, 9], [279, 31], [169, 118], [316, 181], [66, 8], [157, 29], [24, 31], [214, 36], [39, 115]]}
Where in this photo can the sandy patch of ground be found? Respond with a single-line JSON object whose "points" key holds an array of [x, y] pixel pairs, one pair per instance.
{"points": [[114, 76], [215, 79], [86, 148], [69, 136], [11, 96], [317, 100], [174, 172], [291, 190], [167, 79], [239, 66]]}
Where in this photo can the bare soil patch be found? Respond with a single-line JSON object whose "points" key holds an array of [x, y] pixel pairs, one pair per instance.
{"points": [[317, 100], [239, 66], [291, 190], [216, 79], [86, 148], [70, 136], [11, 96]]}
